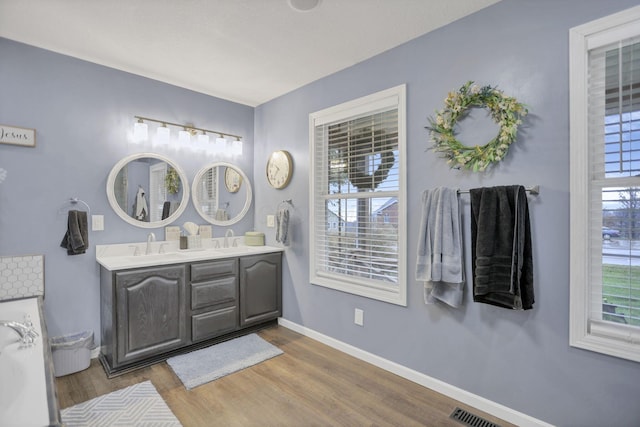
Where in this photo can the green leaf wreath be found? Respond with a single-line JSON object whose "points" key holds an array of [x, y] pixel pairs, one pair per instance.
{"points": [[505, 111]]}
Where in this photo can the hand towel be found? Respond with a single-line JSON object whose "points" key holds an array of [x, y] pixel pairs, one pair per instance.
{"points": [[166, 209], [76, 238], [282, 225], [501, 252], [439, 261], [221, 215]]}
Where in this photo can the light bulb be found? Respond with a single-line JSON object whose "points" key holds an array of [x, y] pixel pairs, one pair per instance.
{"points": [[162, 135], [236, 148], [140, 131], [203, 141], [184, 137], [221, 145]]}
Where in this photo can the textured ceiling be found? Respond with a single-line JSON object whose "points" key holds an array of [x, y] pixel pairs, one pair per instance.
{"points": [[246, 51]]}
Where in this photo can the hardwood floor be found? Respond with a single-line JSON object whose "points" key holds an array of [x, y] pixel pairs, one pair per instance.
{"points": [[311, 384]]}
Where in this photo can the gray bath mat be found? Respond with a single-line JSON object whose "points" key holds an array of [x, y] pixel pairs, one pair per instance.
{"points": [[137, 405], [208, 364]]}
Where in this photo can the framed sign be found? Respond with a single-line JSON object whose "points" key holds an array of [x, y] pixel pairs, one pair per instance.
{"points": [[17, 136]]}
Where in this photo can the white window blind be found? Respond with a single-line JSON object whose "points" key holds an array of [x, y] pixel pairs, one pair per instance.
{"points": [[357, 197], [157, 190], [605, 186], [207, 192]]}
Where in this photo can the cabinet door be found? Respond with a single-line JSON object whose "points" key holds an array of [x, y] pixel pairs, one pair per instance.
{"points": [[260, 288], [151, 311]]}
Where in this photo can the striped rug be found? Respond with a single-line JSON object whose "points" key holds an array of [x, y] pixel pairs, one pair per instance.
{"points": [[137, 405]]}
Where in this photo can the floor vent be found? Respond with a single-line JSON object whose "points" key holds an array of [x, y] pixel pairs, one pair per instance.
{"points": [[469, 419]]}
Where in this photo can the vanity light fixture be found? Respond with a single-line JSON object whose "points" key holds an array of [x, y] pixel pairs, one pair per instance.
{"points": [[140, 131], [163, 134], [236, 147], [184, 136], [140, 134], [221, 145], [203, 141]]}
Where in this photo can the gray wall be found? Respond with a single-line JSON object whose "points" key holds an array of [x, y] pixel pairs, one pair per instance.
{"points": [[83, 114], [519, 359]]}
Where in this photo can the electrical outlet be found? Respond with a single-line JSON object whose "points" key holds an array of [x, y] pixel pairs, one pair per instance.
{"points": [[359, 317], [97, 222], [271, 221]]}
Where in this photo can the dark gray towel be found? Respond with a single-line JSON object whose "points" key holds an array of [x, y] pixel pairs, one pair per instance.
{"points": [[76, 239], [501, 253]]}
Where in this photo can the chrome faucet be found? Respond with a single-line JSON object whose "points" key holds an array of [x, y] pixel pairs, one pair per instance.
{"points": [[150, 238], [227, 234], [26, 330]]}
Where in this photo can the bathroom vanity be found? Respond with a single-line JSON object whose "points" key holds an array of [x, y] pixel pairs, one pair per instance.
{"points": [[156, 306]]}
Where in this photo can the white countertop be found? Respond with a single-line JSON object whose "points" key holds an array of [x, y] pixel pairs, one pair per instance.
{"points": [[23, 384], [121, 256]]}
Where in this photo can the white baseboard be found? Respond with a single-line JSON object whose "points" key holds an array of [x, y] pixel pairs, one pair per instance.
{"points": [[453, 392], [95, 352]]}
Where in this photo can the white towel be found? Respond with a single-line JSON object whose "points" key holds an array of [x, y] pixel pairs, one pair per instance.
{"points": [[140, 209], [282, 226], [439, 262]]}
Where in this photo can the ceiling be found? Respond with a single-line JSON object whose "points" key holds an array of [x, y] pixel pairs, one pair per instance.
{"points": [[246, 51]]}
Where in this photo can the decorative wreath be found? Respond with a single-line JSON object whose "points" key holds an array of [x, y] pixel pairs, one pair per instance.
{"points": [[362, 180], [505, 111]]}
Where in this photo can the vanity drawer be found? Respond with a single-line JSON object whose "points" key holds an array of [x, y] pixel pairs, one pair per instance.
{"points": [[208, 270], [214, 292], [214, 323]]}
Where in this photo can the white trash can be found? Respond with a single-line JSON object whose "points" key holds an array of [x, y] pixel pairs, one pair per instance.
{"points": [[71, 353]]}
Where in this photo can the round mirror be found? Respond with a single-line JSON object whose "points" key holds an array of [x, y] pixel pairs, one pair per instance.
{"points": [[147, 190], [221, 193]]}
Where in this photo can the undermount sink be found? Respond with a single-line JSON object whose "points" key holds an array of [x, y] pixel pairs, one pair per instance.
{"points": [[156, 257], [235, 249]]}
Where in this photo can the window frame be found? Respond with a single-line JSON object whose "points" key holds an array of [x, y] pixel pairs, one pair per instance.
{"points": [[617, 340], [345, 111]]}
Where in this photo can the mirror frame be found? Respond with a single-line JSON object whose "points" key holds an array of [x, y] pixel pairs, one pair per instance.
{"points": [[122, 214], [245, 182]]}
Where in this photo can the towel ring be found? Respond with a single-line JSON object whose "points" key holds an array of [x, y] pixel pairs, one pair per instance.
{"points": [[288, 201], [73, 201]]}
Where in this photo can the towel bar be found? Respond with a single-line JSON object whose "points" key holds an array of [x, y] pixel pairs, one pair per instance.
{"points": [[535, 190]]}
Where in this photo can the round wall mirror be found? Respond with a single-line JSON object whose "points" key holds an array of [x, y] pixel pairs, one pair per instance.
{"points": [[221, 193], [147, 190]]}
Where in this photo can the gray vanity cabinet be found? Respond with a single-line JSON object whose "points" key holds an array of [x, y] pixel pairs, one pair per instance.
{"points": [[214, 298], [260, 288], [150, 311]]}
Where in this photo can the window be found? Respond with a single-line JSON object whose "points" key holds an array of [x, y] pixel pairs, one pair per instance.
{"points": [[605, 185], [358, 196]]}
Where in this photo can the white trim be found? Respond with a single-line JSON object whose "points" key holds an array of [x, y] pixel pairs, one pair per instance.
{"points": [[394, 97], [95, 352], [594, 337], [478, 402]]}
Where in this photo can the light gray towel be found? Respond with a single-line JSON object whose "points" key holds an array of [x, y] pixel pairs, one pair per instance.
{"points": [[282, 226], [439, 261], [221, 215]]}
